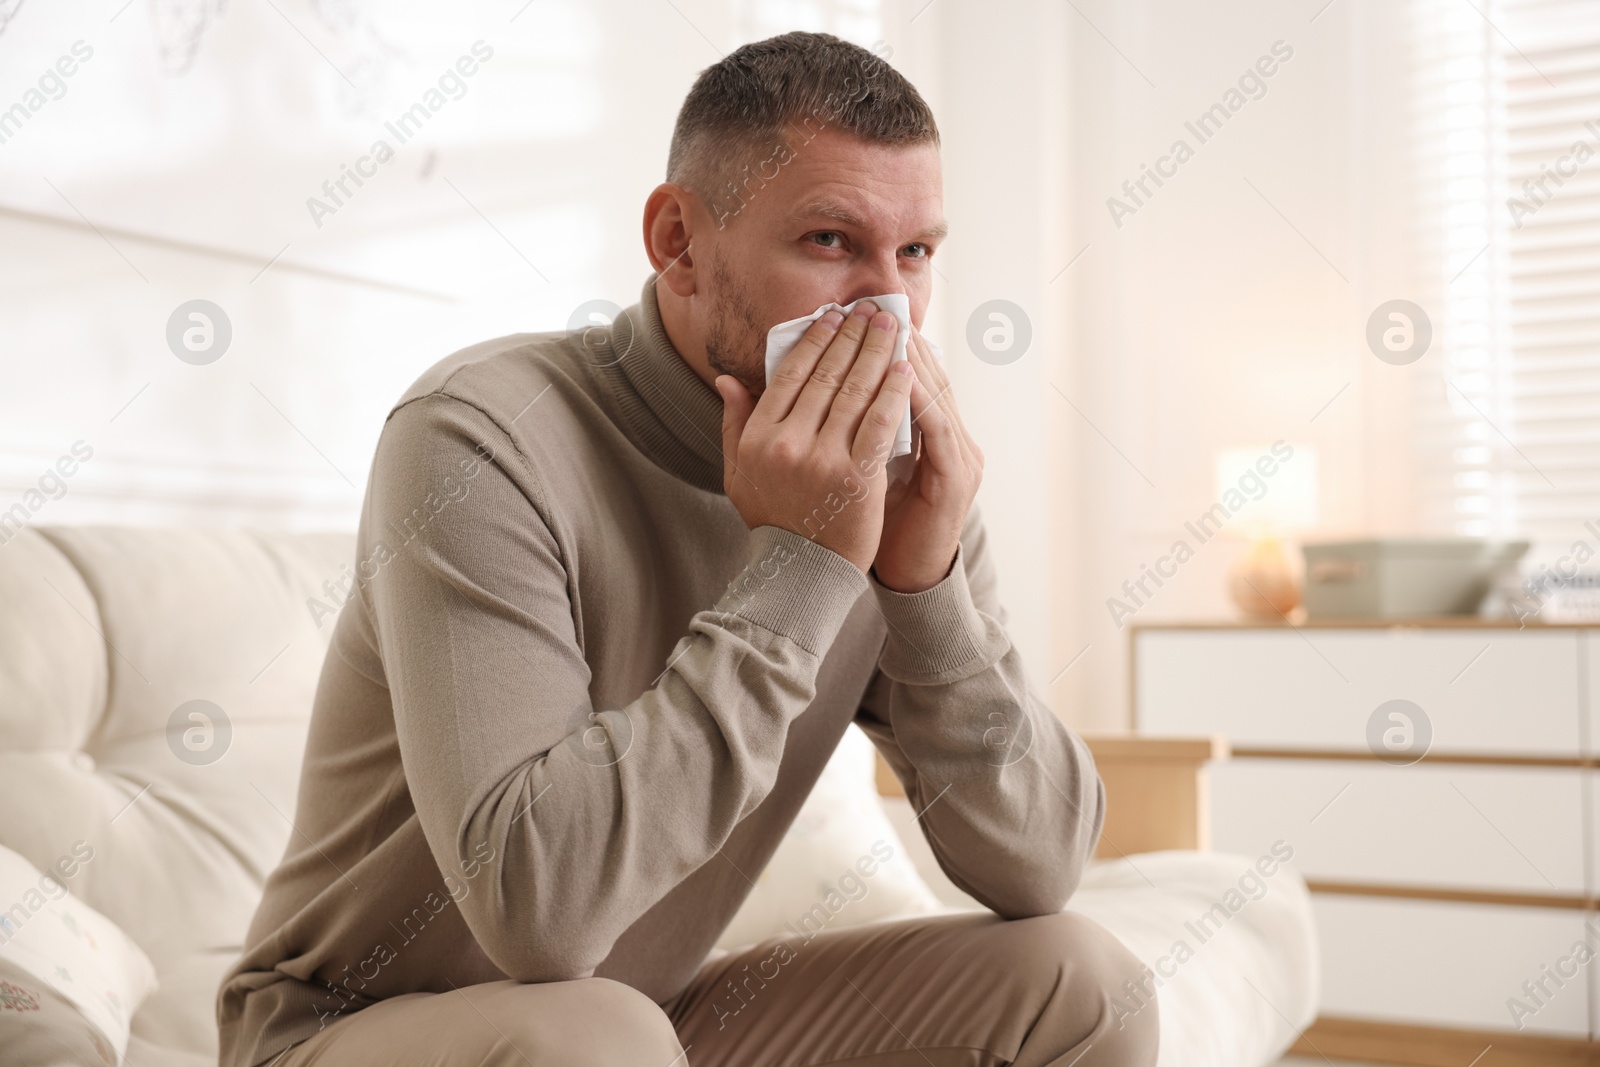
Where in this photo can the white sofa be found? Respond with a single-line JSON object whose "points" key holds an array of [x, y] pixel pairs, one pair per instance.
{"points": [[106, 633]]}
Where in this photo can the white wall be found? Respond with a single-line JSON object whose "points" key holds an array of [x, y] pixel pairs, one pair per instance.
{"points": [[140, 189], [1206, 321]]}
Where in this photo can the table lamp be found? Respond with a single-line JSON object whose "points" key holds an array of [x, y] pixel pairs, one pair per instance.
{"points": [[1268, 493]]}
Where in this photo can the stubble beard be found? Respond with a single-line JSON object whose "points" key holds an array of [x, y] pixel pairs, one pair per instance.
{"points": [[736, 343]]}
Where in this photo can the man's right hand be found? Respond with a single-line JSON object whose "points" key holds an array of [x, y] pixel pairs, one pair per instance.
{"points": [[810, 455]]}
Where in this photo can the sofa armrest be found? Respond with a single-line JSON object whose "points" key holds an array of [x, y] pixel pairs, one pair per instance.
{"points": [[1157, 796]]}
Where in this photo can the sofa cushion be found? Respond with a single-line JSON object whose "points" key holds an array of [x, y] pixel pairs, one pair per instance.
{"points": [[52, 659], [156, 686]]}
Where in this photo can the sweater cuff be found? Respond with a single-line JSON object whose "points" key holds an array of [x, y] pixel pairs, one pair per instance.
{"points": [[937, 635], [794, 587]]}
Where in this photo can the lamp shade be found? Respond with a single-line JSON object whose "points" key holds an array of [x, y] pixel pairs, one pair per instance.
{"points": [[1268, 489]]}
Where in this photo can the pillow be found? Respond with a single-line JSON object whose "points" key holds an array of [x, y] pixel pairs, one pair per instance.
{"points": [[70, 979], [41, 1028], [840, 864]]}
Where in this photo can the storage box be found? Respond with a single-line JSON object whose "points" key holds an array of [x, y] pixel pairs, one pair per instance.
{"points": [[1392, 577]]}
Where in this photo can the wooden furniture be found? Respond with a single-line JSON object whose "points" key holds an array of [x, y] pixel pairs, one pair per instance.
{"points": [[1451, 852], [1156, 791]]}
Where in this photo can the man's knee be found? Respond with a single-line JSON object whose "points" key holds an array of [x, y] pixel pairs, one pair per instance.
{"points": [[1113, 996], [590, 1022]]}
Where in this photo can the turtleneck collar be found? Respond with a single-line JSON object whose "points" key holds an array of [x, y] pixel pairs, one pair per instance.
{"points": [[676, 415]]}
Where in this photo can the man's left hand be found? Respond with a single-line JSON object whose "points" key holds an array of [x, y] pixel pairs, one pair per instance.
{"points": [[923, 516]]}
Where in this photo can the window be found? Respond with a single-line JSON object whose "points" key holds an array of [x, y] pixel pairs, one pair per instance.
{"points": [[1508, 155]]}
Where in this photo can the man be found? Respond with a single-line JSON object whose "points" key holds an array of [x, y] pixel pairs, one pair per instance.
{"points": [[617, 600]]}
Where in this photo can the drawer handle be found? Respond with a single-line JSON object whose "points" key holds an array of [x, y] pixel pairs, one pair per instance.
{"points": [[1337, 571]]}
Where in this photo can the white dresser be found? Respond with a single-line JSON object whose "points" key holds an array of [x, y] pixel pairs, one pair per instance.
{"points": [[1438, 784]]}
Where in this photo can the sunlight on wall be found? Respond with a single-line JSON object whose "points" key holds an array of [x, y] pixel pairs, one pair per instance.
{"points": [[151, 179]]}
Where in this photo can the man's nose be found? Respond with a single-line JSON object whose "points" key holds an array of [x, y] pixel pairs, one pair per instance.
{"points": [[876, 279]]}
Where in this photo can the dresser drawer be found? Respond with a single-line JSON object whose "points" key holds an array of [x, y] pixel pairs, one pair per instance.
{"points": [[1589, 650], [1505, 829], [1591, 834], [1486, 690], [1458, 965]]}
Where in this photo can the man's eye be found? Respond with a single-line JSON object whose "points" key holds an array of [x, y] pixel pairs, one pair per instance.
{"points": [[917, 251], [826, 235]]}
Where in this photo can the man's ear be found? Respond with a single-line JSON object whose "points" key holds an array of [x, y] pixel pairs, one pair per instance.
{"points": [[672, 218]]}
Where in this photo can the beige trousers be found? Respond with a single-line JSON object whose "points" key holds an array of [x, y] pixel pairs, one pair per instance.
{"points": [[968, 990]]}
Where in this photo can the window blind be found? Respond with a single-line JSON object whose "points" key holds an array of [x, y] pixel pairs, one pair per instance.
{"points": [[1507, 112]]}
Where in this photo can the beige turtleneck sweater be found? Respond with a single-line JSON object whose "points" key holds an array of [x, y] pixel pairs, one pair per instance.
{"points": [[575, 703]]}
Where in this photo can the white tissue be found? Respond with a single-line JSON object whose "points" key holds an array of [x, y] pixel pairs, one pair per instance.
{"points": [[782, 338]]}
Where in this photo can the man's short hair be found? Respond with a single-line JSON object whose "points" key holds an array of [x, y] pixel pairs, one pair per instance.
{"points": [[753, 111]]}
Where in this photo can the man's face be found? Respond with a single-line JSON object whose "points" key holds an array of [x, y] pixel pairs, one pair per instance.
{"points": [[843, 219]]}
